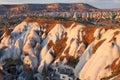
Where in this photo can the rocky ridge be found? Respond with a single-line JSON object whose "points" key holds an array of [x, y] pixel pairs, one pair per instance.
{"points": [[67, 50]]}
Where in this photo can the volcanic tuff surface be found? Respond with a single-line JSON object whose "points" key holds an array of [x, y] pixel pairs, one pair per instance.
{"points": [[89, 52]]}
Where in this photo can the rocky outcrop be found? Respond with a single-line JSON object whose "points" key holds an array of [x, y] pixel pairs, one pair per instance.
{"points": [[63, 49]]}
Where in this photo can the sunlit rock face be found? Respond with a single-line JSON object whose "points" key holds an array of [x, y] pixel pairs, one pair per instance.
{"points": [[99, 64], [91, 53], [21, 41]]}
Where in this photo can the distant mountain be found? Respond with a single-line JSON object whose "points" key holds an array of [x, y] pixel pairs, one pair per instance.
{"points": [[25, 8]]}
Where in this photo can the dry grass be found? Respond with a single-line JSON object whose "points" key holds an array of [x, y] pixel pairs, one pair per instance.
{"points": [[90, 31], [50, 23], [115, 33], [60, 46], [50, 44], [6, 31], [74, 25], [115, 68], [50, 27], [67, 50], [97, 45], [62, 58], [43, 21], [88, 38], [66, 24]]}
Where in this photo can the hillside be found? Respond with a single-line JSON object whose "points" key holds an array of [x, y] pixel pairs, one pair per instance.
{"points": [[55, 7], [51, 49]]}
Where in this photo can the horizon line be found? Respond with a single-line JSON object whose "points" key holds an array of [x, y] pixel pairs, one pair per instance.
{"points": [[57, 3]]}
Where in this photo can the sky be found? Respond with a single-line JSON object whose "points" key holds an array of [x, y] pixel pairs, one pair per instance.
{"points": [[95, 3]]}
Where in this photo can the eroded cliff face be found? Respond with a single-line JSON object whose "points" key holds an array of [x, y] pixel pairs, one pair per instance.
{"points": [[29, 8], [64, 49]]}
